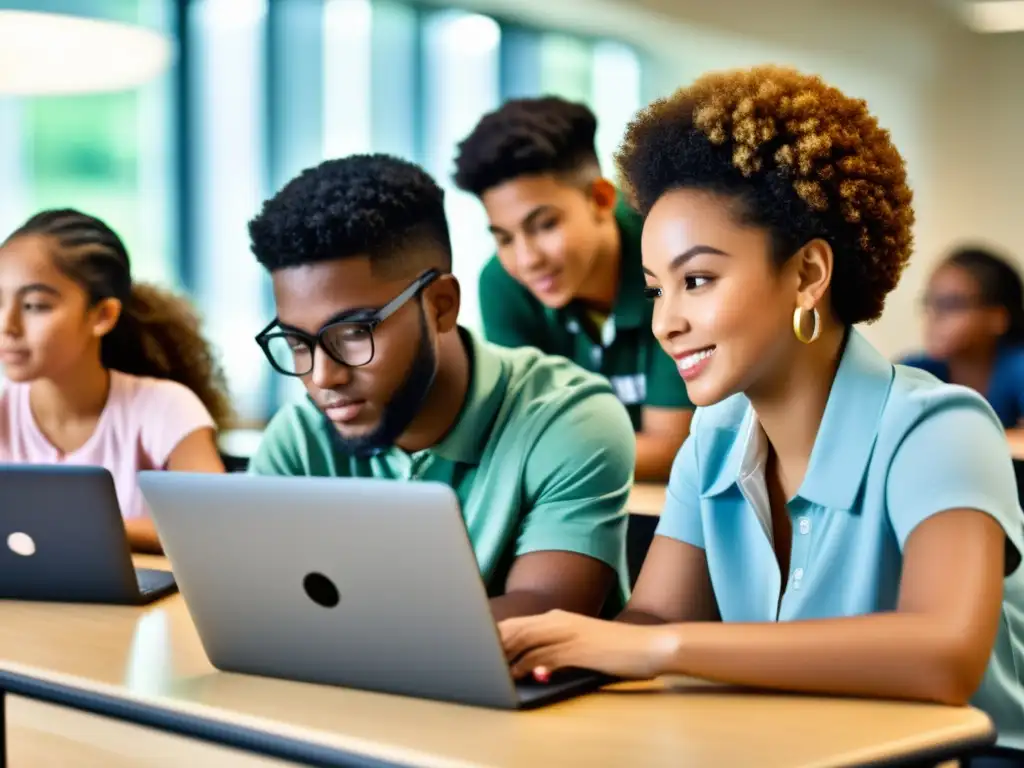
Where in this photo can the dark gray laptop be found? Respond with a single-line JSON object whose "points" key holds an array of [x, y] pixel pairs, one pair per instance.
{"points": [[361, 583], [62, 539]]}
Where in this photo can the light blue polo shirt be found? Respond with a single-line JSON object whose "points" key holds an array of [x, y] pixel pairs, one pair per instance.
{"points": [[895, 446]]}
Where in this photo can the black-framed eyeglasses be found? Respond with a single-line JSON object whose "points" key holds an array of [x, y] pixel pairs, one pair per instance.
{"points": [[346, 342]]}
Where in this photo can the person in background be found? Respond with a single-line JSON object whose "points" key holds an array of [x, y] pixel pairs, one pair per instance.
{"points": [[834, 524], [974, 329], [100, 370], [567, 277], [538, 451]]}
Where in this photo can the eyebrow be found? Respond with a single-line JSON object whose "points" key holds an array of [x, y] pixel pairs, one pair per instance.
{"points": [[355, 315], [688, 254], [532, 216], [37, 287]]}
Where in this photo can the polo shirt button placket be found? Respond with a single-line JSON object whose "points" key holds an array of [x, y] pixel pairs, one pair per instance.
{"points": [[418, 466], [801, 545]]}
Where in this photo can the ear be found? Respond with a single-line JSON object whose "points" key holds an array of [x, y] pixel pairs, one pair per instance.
{"points": [[104, 316], [1000, 321], [814, 263], [445, 297], [604, 195]]}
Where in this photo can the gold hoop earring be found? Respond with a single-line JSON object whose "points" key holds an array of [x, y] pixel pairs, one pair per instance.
{"points": [[798, 318]]}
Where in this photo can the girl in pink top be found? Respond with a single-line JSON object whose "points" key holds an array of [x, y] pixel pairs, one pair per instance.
{"points": [[98, 370]]}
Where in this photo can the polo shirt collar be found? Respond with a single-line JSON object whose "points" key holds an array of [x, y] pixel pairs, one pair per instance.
{"points": [[846, 436], [466, 441]]}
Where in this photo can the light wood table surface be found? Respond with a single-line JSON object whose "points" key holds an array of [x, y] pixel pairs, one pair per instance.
{"points": [[146, 665], [646, 499]]}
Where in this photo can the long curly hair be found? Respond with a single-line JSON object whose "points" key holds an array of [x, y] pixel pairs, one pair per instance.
{"points": [[157, 333]]}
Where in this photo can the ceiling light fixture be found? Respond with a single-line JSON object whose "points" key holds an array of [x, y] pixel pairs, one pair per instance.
{"points": [[996, 16], [58, 54]]}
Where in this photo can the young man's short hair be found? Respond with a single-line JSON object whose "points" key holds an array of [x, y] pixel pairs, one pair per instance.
{"points": [[376, 205], [527, 137]]}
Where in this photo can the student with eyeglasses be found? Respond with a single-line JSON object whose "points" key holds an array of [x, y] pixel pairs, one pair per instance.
{"points": [[974, 329], [539, 452]]}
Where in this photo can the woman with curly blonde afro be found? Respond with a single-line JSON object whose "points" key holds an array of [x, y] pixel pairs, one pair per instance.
{"points": [[833, 524], [101, 370]]}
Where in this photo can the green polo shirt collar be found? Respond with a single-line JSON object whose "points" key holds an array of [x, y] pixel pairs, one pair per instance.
{"points": [[467, 439]]}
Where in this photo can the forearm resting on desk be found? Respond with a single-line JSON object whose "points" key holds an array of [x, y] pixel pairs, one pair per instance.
{"points": [[886, 655], [142, 536]]}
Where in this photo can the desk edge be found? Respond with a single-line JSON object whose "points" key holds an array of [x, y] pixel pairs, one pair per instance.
{"points": [[242, 737], [254, 741]]}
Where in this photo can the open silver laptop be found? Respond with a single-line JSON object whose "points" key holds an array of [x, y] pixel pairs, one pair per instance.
{"points": [[362, 583], [62, 539]]}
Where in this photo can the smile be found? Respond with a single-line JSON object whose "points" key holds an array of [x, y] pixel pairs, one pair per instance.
{"points": [[692, 363], [545, 283]]}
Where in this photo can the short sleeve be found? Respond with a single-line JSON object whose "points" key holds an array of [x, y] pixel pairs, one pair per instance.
{"points": [[955, 458], [280, 449], [168, 412], [511, 316], [665, 387], [578, 477], [680, 519]]}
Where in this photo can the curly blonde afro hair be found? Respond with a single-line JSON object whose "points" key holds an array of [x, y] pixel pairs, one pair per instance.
{"points": [[802, 160]]}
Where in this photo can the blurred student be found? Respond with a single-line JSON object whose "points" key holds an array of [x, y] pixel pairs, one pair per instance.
{"points": [[567, 276], [974, 329], [538, 451], [834, 524], [100, 370]]}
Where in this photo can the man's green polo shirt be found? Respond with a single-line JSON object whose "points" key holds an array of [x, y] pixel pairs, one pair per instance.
{"points": [[541, 458], [627, 353]]}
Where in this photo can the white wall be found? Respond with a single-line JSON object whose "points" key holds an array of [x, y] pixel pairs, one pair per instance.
{"points": [[950, 98]]}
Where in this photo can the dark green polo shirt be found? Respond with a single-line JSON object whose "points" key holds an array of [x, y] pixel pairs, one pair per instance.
{"points": [[627, 353]]}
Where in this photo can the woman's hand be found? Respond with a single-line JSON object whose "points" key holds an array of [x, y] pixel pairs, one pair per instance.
{"points": [[558, 639]]}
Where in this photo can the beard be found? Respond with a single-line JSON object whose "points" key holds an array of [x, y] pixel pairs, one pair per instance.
{"points": [[404, 406]]}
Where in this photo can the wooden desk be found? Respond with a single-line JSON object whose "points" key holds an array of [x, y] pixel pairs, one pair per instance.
{"points": [[146, 666], [646, 499]]}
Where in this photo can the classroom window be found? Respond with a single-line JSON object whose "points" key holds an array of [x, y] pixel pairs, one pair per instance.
{"points": [[228, 170], [261, 90], [107, 154]]}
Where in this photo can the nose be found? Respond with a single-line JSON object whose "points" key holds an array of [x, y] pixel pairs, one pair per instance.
{"points": [[328, 374], [668, 321], [10, 323], [527, 258]]}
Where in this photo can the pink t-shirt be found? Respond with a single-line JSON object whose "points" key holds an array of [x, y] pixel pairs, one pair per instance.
{"points": [[142, 422]]}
